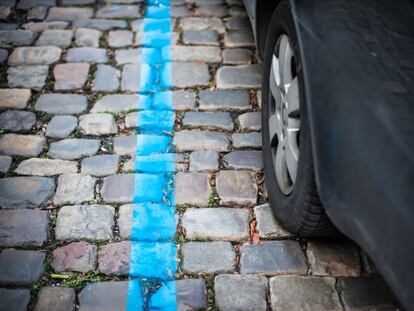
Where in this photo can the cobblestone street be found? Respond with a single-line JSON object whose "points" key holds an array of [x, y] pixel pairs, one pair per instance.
{"points": [[71, 121]]}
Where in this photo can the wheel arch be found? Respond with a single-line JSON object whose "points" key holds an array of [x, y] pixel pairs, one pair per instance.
{"points": [[264, 12]]}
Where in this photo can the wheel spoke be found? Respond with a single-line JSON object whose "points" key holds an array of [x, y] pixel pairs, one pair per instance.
{"points": [[291, 154], [275, 127], [292, 99], [274, 82], [285, 58], [281, 169]]}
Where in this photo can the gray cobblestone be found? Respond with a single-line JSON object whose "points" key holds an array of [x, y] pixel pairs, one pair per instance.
{"points": [[10, 38], [303, 293], [239, 77], [56, 37], [238, 39], [250, 121], [69, 14], [211, 10], [120, 38], [247, 140], [46, 167], [190, 75], [118, 188], [25, 192], [17, 121], [201, 37], [23, 228], [4, 55], [86, 55], [244, 160], [61, 103], [56, 299], [208, 257], [191, 293], [192, 189], [228, 224], [27, 4], [224, 100], [106, 79], [183, 100], [236, 187], [39, 55], [260, 258], [237, 56], [118, 11], [114, 258], [92, 222], [204, 161], [238, 23], [19, 267], [200, 140], [37, 13], [21, 145], [61, 126], [98, 124], [208, 54], [31, 77], [208, 120], [116, 103], [73, 148], [127, 56], [198, 23], [240, 292], [14, 299], [37, 27], [5, 162], [74, 189], [100, 165], [104, 296], [125, 145], [99, 24], [267, 225], [86, 37]]}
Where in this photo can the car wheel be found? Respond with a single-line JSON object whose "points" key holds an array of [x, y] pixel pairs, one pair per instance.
{"points": [[287, 148]]}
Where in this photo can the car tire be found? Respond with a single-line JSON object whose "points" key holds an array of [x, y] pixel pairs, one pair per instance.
{"points": [[298, 208]]}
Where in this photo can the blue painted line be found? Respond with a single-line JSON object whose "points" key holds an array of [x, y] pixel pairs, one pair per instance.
{"points": [[153, 251]]}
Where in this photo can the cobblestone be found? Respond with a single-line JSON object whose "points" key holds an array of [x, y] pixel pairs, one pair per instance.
{"points": [[46, 167], [206, 54], [100, 165], [99, 24], [19, 267], [17, 121], [91, 222], [104, 296], [250, 121], [69, 14], [208, 257], [224, 100], [240, 292], [191, 293], [190, 75], [260, 258], [70, 76], [340, 259], [37, 27], [73, 148], [118, 11], [204, 161], [106, 79], [120, 38], [192, 189], [203, 37], [239, 77], [208, 120], [86, 37], [238, 23], [61, 103], [39, 55], [31, 77], [247, 140], [37, 13], [56, 299], [74, 189], [61, 126], [116, 103], [118, 188], [25, 192], [14, 98], [76, 256], [236, 188], [98, 124], [200, 140], [21, 145], [238, 39], [228, 224], [114, 258], [267, 225], [14, 299], [237, 56], [244, 160], [86, 55], [11, 38], [56, 37], [5, 162], [198, 23], [23, 228], [303, 293]]}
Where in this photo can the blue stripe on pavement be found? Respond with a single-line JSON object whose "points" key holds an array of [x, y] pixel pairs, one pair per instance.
{"points": [[153, 251]]}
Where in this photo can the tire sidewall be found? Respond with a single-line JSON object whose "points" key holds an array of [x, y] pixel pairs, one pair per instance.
{"points": [[287, 208]]}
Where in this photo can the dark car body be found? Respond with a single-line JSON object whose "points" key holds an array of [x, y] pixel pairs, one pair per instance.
{"points": [[358, 61]]}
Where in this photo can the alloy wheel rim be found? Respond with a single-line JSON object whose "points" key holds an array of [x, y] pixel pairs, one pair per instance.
{"points": [[284, 118]]}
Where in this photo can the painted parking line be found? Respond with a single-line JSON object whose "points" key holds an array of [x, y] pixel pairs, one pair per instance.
{"points": [[153, 251]]}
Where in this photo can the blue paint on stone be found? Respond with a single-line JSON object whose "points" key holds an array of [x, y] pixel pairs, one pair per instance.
{"points": [[154, 260], [155, 163], [149, 144], [165, 298], [149, 188], [155, 121], [152, 222], [135, 300]]}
